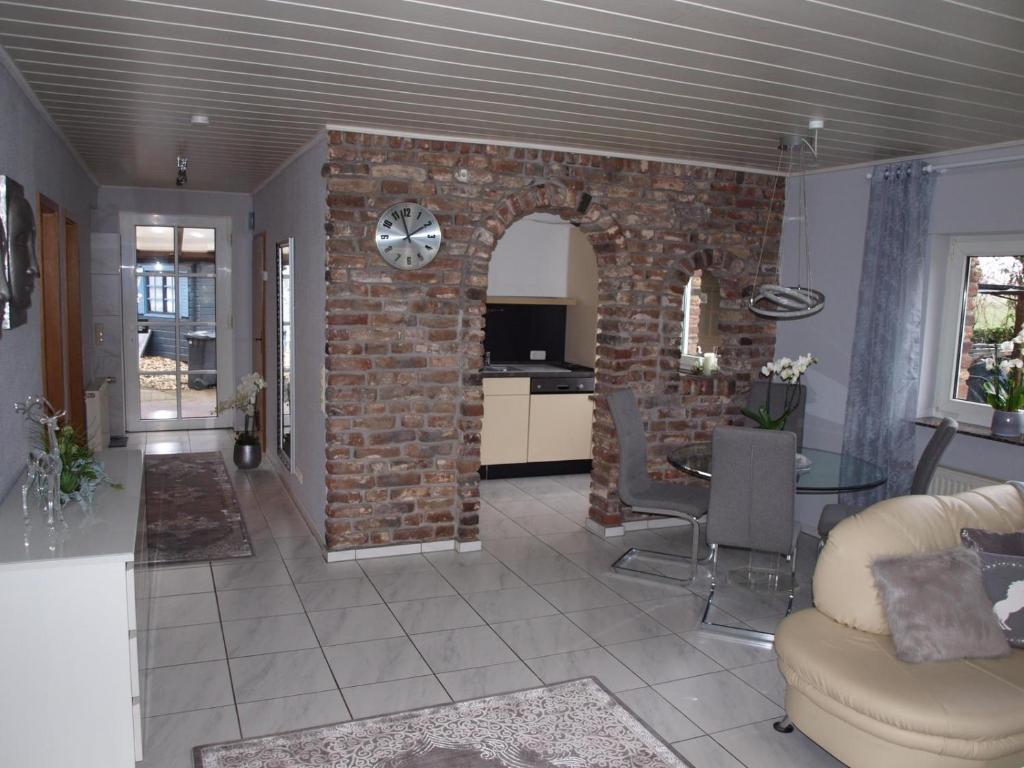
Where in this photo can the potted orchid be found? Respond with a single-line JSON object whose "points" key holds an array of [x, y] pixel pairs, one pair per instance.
{"points": [[1004, 391], [248, 453], [789, 372]]}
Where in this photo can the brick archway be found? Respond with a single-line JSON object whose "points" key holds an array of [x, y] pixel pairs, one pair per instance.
{"points": [[608, 243]]}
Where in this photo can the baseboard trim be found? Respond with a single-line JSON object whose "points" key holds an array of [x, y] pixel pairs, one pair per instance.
{"points": [[605, 531], [397, 550]]}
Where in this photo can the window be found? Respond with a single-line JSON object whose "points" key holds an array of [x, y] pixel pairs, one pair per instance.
{"points": [[156, 295], [982, 312], [700, 317]]}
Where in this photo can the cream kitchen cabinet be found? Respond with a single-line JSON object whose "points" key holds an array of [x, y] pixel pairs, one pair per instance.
{"points": [[504, 435], [560, 427]]}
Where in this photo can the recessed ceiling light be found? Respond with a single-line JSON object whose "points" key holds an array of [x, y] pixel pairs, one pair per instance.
{"points": [[200, 120]]}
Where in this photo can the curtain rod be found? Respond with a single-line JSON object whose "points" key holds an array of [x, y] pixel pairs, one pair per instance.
{"points": [[967, 164]]}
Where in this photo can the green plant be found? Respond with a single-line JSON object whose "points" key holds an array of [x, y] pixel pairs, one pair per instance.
{"points": [[80, 473], [789, 371], [1004, 390]]}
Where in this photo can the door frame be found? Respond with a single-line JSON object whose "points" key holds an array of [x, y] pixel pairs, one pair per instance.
{"points": [[51, 309], [259, 329], [130, 330], [75, 370]]}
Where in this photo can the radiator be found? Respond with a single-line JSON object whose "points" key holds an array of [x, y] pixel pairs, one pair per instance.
{"points": [[97, 415], [947, 482]]}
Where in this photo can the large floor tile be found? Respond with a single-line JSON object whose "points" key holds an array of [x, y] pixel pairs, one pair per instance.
{"points": [[182, 610], [578, 595], [501, 528], [482, 578], [705, 752], [660, 716], [660, 659], [446, 561], [353, 625], [180, 581], [595, 662], [728, 651], [452, 649], [181, 645], [258, 602], [494, 491], [510, 605], [516, 509], [545, 570], [273, 675], [488, 681], [547, 522], [187, 687], [718, 701], [261, 718], [520, 548], [250, 573], [766, 679], [680, 613], [539, 487], [760, 746], [375, 661], [580, 541], [403, 563], [395, 696], [318, 569], [170, 738], [293, 547], [543, 636], [332, 595], [435, 613], [270, 634], [400, 587], [617, 623], [638, 589]]}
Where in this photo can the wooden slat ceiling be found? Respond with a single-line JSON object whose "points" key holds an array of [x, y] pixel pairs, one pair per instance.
{"points": [[715, 81]]}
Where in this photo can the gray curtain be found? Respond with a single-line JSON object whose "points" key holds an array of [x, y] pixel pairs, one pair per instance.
{"points": [[885, 367]]}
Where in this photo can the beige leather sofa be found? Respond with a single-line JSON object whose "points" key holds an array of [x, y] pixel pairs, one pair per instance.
{"points": [[845, 687]]}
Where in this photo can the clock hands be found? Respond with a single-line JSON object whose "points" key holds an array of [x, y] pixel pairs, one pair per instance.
{"points": [[421, 229], [406, 228]]}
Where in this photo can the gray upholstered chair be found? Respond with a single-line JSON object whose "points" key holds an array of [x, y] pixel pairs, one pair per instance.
{"points": [[833, 514], [753, 498], [777, 404], [642, 494]]}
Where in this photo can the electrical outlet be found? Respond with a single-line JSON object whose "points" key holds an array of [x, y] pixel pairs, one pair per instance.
{"points": [[99, 332], [538, 354]]}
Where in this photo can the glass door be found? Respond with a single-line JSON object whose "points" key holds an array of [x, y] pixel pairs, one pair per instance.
{"points": [[173, 292], [284, 351]]}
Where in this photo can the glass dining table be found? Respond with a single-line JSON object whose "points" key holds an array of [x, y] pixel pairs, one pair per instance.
{"points": [[826, 472]]}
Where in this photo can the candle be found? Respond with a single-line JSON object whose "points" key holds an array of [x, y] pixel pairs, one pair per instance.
{"points": [[710, 363]]}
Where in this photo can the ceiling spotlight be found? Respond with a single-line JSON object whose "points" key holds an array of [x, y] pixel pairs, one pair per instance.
{"points": [[200, 119], [182, 171]]}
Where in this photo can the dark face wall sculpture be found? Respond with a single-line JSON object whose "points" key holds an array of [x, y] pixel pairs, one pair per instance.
{"points": [[20, 267]]}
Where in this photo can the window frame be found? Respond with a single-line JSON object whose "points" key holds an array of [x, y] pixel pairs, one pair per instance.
{"points": [[961, 248]]}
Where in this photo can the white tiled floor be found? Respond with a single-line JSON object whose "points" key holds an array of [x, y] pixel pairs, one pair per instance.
{"points": [[285, 640]]}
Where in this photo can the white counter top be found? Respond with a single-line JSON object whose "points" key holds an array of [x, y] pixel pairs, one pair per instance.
{"points": [[106, 532]]}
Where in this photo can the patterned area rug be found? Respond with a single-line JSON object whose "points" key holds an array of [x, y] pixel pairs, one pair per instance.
{"points": [[569, 725], [191, 510]]}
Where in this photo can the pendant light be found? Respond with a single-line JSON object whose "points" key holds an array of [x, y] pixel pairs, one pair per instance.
{"points": [[779, 302]]}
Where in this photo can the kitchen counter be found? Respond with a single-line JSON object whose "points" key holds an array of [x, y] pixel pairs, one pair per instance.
{"points": [[535, 370]]}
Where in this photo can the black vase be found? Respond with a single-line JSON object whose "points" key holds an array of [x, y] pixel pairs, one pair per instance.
{"points": [[248, 456]]}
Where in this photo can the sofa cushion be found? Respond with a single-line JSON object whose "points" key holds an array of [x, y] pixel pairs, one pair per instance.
{"points": [[970, 709], [937, 608], [844, 588], [1003, 577]]}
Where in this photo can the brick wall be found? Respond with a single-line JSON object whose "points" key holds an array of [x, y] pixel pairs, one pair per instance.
{"points": [[404, 348]]}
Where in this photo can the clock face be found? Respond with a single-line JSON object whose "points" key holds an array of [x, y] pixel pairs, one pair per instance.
{"points": [[408, 236]]}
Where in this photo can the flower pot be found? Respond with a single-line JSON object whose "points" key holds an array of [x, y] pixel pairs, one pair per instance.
{"points": [[1006, 423], [248, 456]]}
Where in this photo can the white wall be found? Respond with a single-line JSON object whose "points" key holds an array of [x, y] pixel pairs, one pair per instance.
{"points": [[35, 155], [531, 258], [294, 204], [977, 200], [106, 278]]}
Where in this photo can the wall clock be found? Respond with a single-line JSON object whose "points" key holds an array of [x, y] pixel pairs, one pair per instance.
{"points": [[408, 236]]}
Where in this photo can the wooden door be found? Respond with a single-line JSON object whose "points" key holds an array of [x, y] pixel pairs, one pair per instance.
{"points": [[73, 328], [51, 293], [259, 324]]}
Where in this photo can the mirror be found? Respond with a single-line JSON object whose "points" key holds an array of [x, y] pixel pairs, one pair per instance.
{"points": [[283, 268]]}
